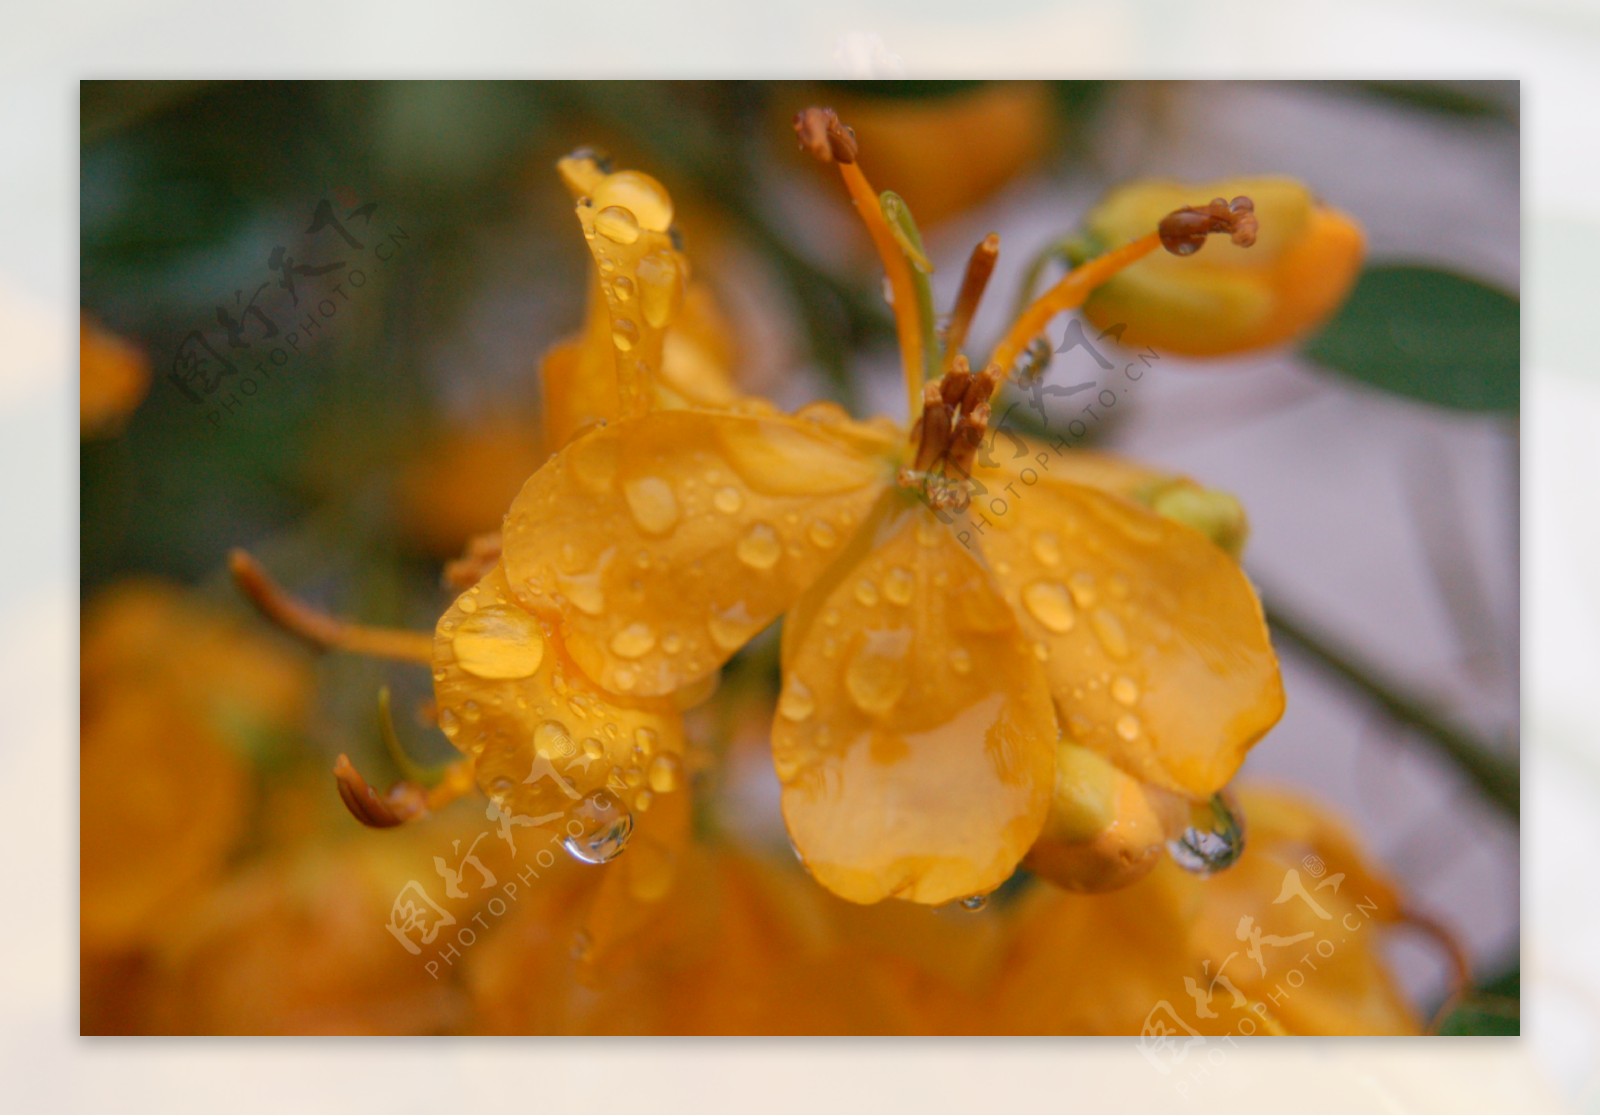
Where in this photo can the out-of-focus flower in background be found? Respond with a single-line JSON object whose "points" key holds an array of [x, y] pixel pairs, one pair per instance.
{"points": [[114, 375]]}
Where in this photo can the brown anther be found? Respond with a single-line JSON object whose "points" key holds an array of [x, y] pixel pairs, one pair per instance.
{"points": [[1183, 231], [825, 136], [404, 801], [954, 422]]}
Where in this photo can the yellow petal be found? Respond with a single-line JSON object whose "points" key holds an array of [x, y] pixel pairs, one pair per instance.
{"points": [[543, 736], [666, 542], [1152, 638], [914, 732]]}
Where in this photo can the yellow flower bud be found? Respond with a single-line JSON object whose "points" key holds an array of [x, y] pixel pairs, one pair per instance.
{"points": [[1105, 828], [1227, 298], [1215, 514]]}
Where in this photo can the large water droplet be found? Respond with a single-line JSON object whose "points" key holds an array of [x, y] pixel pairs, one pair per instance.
{"points": [[1049, 603], [974, 903], [617, 224], [645, 199], [633, 641], [877, 674], [1214, 838], [652, 504], [597, 829], [622, 288], [499, 643], [760, 548]]}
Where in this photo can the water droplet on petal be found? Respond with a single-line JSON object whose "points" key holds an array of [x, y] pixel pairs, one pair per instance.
{"points": [[1049, 603], [617, 224], [898, 585], [974, 903], [597, 829], [1214, 838], [644, 199], [760, 548], [1083, 590], [796, 702], [961, 660], [666, 773], [1113, 636], [822, 534], [877, 674], [731, 628], [660, 288], [727, 500], [633, 641], [1125, 690], [652, 504], [553, 740], [622, 287], [624, 334], [1128, 727], [499, 643], [866, 593], [1047, 548]]}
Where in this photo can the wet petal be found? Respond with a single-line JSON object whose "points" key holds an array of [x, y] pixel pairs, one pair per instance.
{"points": [[914, 733], [543, 736], [666, 542], [1152, 638]]}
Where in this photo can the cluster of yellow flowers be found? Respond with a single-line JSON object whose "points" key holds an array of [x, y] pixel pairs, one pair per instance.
{"points": [[1070, 692]]}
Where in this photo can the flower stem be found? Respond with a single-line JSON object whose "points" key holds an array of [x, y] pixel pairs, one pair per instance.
{"points": [[1496, 777]]}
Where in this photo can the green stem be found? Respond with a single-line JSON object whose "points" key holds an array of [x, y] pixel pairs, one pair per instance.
{"points": [[1496, 777]]}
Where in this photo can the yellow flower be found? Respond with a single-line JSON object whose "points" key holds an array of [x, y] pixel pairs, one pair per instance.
{"points": [[935, 681], [918, 723], [1297, 273]]}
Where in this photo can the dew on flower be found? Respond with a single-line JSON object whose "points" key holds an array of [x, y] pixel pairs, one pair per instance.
{"points": [[1213, 838], [598, 829]]}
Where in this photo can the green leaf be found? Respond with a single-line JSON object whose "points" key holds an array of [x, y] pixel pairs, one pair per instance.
{"points": [[1430, 335], [1493, 1008]]}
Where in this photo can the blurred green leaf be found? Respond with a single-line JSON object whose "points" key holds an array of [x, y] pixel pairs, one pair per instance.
{"points": [[1494, 1008], [1430, 335]]}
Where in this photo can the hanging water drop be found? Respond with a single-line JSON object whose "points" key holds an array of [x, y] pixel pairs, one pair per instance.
{"points": [[1214, 838], [974, 903], [598, 829]]}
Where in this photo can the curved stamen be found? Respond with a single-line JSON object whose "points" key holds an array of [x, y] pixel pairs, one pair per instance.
{"points": [[823, 135], [1181, 232], [327, 632]]}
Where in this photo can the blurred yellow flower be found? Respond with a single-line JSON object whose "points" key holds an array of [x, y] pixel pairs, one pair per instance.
{"points": [[1299, 270], [173, 695], [113, 377]]}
